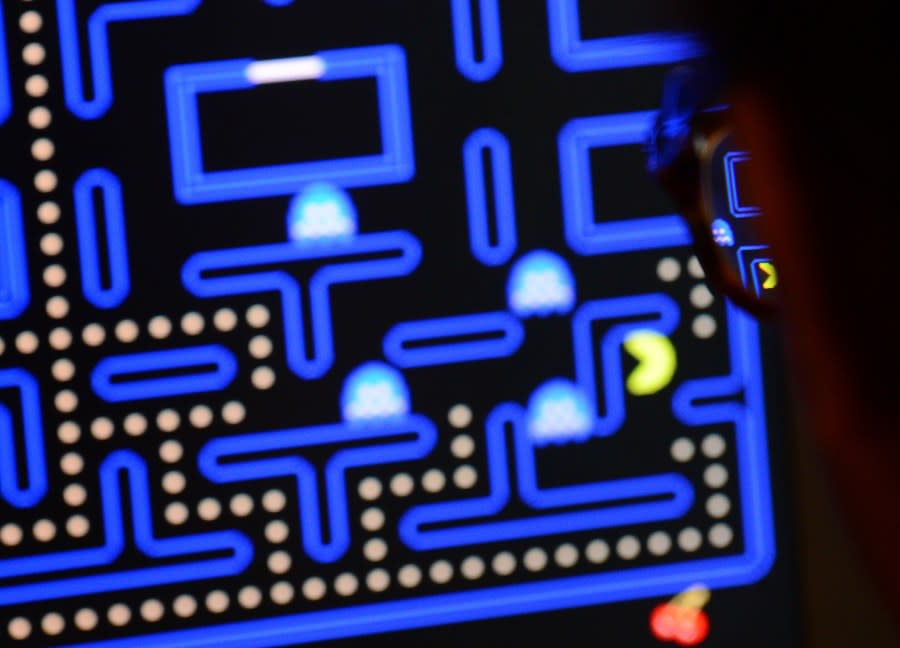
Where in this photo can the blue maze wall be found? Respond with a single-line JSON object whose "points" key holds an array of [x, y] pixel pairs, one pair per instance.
{"points": [[412, 336]]}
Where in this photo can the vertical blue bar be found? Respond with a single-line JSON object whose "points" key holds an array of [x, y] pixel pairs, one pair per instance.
{"points": [[14, 291], [504, 209], [114, 234], [464, 39], [5, 93]]}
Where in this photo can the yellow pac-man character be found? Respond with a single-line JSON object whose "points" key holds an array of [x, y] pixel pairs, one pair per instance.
{"points": [[656, 359]]}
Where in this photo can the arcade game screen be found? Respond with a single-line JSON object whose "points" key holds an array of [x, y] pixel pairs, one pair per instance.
{"points": [[361, 322]]}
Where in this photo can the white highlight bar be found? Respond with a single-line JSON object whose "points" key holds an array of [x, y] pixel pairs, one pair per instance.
{"points": [[298, 68]]}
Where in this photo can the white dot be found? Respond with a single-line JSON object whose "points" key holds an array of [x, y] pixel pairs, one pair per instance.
{"points": [[274, 501], [720, 535], [504, 563], [472, 568], [69, 432], [440, 572], [19, 628], [257, 316], [434, 481], [701, 297], [715, 476], [192, 323], [119, 614], [682, 449], [713, 446], [51, 244], [314, 589], [241, 505], [77, 526], [668, 269], [159, 327], [704, 326], [460, 416], [378, 580], [279, 562], [409, 576], [695, 269], [217, 601], [200, 416], [45, 181], [176, 513], [173, 482], [463, 446], [71, 463], [27, 342], [249, 597], [39, 117], [170, 451], [135, 424], [566, 555], [260, 347], [628, 547], [277, 531], [102, 428], [10, 534], [535, 559], [659, 543], [60, 339], [370, 488], [54, 275], [74, 495], [66, 401], [36, 86], [168, 420], [93, 335], [282, 593], [127, 331], [689, 539], [225, 320], [346, 584], [263, 378], [465, 477], [53, 623], [86, 619], [184, 605], [34, 54], [63, 370], [372, 519], [402, 485], [57, 307], [233, 412], [597, 551], [152, 610], [375, 550], [30, 22], [209, 508], [718, 505], [48, 212]]}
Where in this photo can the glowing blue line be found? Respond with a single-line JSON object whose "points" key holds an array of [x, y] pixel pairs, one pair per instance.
{"points": [[33, 442], [505, 331], [734, 200], [116, 245], [335, 267], [742, 260], [194, 185], [239, 547], [14, 291], [665, 317], [110, 378], [5, 91], [228, 460], [573, 53], [98, 47], [584, 236], [464, 39], [504, 208]]}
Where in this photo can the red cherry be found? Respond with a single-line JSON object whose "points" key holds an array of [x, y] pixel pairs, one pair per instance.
{"points": [[693, 628], [664, 622]]}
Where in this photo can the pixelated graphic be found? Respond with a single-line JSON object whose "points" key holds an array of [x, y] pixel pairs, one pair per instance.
{"points": [[315, 328]]}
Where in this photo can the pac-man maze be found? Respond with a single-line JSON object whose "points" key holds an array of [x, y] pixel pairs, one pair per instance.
{"points": [[331, 319]]}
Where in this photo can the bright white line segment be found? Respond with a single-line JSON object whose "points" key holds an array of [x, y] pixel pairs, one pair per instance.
{"points": [[299, 68]]}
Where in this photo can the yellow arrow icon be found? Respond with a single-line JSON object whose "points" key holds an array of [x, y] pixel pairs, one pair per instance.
{"points": [[656, 359], [771, 276]]}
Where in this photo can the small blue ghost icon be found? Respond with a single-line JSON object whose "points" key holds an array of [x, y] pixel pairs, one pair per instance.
{"points": [[322, 212], [558, 412], [722, 233], [540, 284], [374, 391]]}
